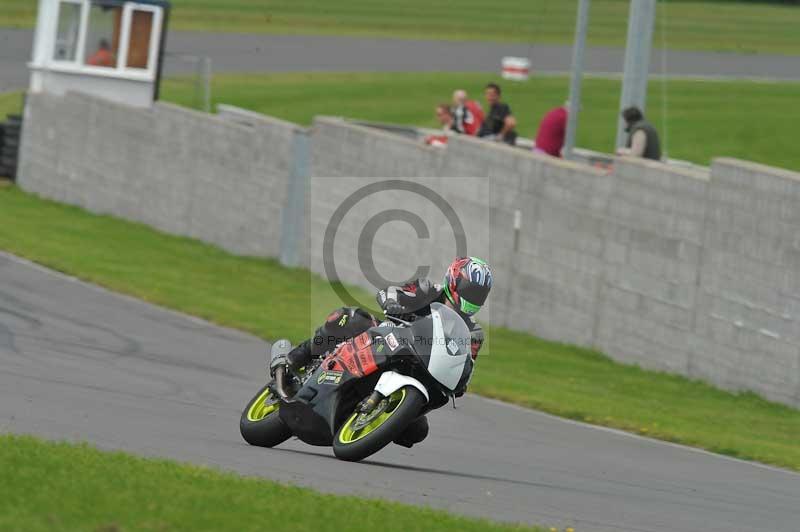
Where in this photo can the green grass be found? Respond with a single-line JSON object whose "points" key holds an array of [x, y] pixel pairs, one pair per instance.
{"points": [[10, 103], [64, 487], [732, 26], [750, 120], [266, 299]]}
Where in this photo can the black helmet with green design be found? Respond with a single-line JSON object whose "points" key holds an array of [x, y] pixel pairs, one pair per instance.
{"points": [[467, 284]]}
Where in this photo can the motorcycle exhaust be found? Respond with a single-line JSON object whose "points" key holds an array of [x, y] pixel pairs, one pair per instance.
{"points": [[278, 362], [280, 382]]}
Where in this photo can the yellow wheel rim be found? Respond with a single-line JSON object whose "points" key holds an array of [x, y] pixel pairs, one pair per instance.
{"points": [[262, 407], [359, 424]]}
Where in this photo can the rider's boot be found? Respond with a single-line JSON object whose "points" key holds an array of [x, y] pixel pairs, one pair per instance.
{"points": [[416, 431]]}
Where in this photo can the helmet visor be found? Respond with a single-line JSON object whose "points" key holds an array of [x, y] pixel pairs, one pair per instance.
{"points": [[472, 292], [468, 308]]}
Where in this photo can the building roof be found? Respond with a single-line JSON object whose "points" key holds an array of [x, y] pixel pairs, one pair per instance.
{"points": [[161, 3]]}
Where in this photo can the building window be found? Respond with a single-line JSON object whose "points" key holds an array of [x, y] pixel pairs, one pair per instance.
{"points": [[139, 43], [67, 31], [102, 35], [107, 38]]}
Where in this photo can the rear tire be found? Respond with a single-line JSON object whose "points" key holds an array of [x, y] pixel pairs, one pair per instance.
{"points": [[261, 424], [352, 443]]}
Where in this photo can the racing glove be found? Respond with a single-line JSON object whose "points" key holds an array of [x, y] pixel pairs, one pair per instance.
{"points": [[389, 305], [393, 308]]}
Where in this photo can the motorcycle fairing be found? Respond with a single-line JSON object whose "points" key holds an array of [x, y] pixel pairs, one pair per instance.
{"points": [[441, 342], [314, 413]]}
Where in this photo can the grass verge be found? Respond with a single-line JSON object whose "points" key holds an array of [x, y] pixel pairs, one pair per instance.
{"points": [[268, 300], [750, 120], [59, 486], [10, 103], [731, 25]]}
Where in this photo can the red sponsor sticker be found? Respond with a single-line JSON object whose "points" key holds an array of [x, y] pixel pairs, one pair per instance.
{"points": [[367, 360], [363, 340], [346, 356]]}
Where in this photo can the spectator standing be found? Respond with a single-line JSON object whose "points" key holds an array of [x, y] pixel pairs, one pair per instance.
{"points": [[552, 130], [467, 114], [642, 136], [499, 123]]}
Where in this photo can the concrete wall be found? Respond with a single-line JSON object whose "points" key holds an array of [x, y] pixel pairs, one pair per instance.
{"points": [[653, 238], [680, 269], [748, 308], [672, 268], [181, 171], [344, 158]]}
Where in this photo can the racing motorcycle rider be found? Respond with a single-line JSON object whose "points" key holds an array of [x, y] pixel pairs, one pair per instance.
{"points": [[466, 286]]}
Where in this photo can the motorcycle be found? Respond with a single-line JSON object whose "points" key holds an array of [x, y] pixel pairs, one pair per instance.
{"points": [[367, 391]]}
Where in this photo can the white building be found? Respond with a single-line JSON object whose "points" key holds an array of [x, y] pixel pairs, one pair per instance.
{"points": [[107, 48]]}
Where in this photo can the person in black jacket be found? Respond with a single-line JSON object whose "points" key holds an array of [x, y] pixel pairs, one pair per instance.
{"points": [[643, 138], [499, 123]]}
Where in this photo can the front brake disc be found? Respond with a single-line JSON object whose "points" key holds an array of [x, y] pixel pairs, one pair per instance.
{"points": [[365, 419]]}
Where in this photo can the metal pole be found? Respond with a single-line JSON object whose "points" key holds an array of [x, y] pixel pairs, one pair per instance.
{"points": [[578, 53], [197, 95], [294, 214], [207, 84], [641, 18]]}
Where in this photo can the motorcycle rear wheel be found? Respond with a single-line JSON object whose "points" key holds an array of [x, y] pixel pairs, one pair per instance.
{"points": [[364, 434], [260, 423]]}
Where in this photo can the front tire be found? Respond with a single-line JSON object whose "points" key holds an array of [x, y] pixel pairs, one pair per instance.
{"points": [[261, 424], [362, 435]]}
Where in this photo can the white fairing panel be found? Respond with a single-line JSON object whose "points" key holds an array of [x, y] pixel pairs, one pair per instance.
{"points": [[392, 381], [450, 346]]}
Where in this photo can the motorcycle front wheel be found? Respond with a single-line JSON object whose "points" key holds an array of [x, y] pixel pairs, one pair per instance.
{"points": [[363, 434], [260, 423]]}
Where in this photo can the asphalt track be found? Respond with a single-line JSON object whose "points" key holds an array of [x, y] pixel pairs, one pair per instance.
{"points": [[231, 52], [80, 363]]}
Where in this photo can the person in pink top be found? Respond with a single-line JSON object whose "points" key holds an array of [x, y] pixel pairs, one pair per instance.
{"points": [[552, 129]]}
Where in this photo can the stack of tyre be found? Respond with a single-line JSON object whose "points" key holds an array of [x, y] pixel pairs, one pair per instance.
{"points": [[10, 133]]}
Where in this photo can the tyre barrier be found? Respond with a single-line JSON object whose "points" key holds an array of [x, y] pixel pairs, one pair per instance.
{"points": [[10, 133]]}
